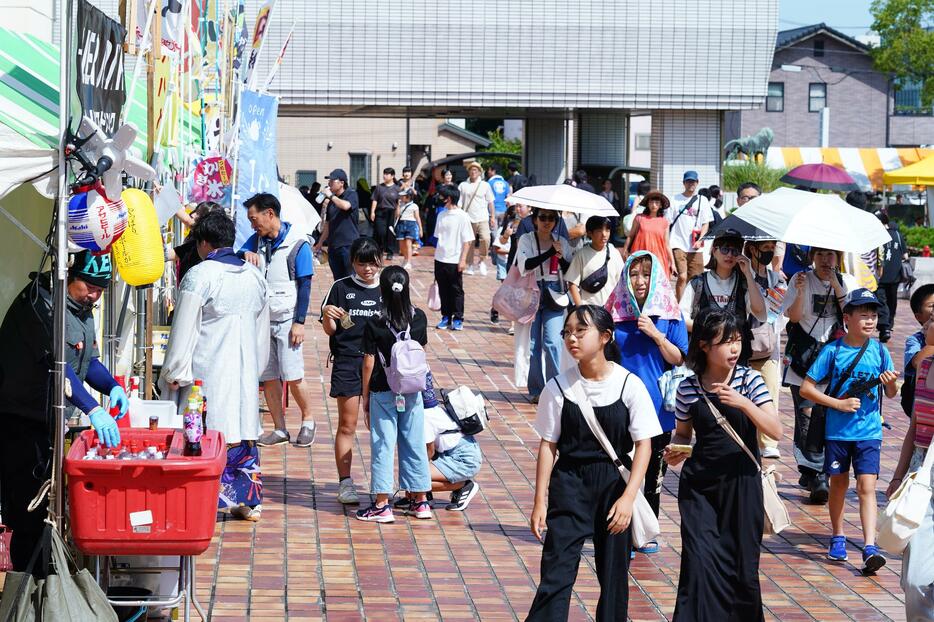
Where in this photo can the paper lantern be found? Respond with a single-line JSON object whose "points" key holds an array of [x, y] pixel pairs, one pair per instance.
{"points": [[94, 222], [138, 253]]}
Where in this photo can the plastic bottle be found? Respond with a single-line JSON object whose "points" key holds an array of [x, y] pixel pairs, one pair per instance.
{"points": [[124, 453], [92, 454], [136, 402], [193, 428]]}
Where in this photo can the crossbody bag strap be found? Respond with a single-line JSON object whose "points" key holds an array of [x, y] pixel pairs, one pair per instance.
{"points": [[579, 398], [682, 210], [849, 370], [723, 423]]}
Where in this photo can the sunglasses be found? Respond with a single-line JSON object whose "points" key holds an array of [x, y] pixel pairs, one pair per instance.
{"points": [[731, 250], [548, 217]]}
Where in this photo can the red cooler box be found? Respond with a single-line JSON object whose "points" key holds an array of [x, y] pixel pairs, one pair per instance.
{"points": [[145, 507]]}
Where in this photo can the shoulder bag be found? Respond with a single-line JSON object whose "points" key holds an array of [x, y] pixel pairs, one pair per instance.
{"points": [[817, 428], [553, 301], [776, 516], [682, 210], [597, 279], [906, 508], [518, 297], [802, 349], [643, 526]]}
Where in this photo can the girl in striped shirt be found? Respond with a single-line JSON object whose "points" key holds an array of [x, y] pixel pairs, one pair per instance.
{"points": [[720, 491]]}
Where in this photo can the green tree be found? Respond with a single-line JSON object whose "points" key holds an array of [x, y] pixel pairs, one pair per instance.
{"points": [[906, 42], [499, 144]]}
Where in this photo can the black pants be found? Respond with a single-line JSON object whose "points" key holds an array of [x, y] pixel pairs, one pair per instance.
{"points": [[655, 473], [579, 498], [25, 453], [451, 288], [887, 293], [381, 230]]}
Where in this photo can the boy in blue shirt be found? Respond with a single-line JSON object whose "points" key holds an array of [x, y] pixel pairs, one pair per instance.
{"points": [[853, 430]]}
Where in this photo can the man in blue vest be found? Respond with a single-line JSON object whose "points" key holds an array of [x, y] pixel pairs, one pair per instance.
{"points": [[283, 255]]}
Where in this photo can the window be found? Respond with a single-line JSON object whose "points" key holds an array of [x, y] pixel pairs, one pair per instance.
{"points": [[306, 178], [775, 101], [359, 168], [818, 48], [643, 142], [817, 96]]}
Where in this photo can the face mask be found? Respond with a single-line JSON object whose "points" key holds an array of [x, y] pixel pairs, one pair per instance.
{"points": [[766, 257]]}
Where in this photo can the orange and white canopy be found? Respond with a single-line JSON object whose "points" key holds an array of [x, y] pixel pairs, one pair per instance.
{"points": [[866, 166]]}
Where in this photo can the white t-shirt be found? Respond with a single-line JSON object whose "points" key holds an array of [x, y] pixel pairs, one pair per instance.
{"points": [[587, 261], [816, 314], [436, 422], [694, 218], [528, 249], [643, 420], [408, 211], [721, 290], [479, 208], [453, 230], [571, 221]]}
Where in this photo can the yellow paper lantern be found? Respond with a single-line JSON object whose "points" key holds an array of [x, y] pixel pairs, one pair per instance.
{"points": [[138, 253]]}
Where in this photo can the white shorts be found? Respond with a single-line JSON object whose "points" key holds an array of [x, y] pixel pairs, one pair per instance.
{"points": [[285, 362]]}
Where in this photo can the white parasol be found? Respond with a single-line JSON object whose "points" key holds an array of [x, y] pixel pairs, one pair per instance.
{"points": [[564, 198], [811, 219]]}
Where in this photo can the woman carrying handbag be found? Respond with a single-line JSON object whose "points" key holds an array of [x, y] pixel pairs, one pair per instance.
{"points": [[586, 495], [917, 560], [720, 494], [548, 256]]}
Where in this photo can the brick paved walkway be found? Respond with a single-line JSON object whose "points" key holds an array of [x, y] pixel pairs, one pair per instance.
{"points": [[308, 559]]}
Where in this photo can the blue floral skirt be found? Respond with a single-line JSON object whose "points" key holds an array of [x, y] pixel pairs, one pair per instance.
{"points": [[242, 480]]}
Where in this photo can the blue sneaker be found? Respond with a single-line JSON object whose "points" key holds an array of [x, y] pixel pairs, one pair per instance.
{"points": [[457, 325], [872, 559], [443, 323], [837, 550], [648, 549]]}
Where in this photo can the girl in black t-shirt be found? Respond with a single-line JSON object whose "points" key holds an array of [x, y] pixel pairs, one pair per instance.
{"points": [[349, 305]]}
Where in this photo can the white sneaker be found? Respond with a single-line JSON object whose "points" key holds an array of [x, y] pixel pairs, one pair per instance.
{"points": [[771, 452], [469, 271], [482, 268], [407, 266], [348, 493]]}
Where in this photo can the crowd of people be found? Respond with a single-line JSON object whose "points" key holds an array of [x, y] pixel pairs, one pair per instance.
{"points": [[671, 338]]}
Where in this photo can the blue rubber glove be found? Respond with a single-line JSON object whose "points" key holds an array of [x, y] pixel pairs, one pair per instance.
{"points": [[119, 399], [107, 430]]}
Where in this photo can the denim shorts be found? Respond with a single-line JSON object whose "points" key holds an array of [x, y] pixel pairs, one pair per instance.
{"points": [[406, 229], [863, 454], [461, 462]]}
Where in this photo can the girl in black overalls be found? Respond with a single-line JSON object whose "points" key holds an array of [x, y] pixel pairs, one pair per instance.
{"points": [[587, 498]]}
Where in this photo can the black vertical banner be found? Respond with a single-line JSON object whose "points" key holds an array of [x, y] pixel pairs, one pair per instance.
{"points": [[100, 83]]}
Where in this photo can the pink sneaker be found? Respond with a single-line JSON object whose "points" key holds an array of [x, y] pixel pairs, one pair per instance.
{"points": [[376, 514]]}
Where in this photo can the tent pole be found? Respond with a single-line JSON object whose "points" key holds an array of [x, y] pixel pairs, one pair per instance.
{"points": [[56, 501]]}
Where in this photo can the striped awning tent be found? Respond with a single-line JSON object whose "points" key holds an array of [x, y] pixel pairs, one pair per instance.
{"points": [[866, 166], [29, 95]]}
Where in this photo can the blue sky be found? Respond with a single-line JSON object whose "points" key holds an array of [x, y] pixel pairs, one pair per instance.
{"points": [[849, 16]]}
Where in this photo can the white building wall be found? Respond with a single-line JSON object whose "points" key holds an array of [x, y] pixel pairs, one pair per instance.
{"points": [[685, 140], [28, 16]]}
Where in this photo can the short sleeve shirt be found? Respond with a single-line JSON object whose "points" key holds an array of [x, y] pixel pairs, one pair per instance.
{"points": [[698, 215], [586, 261], [453, 230], [386, 197], [377, 336], [342, 224], [479, 208], [745, 381], [441, 430], [362, 302], [643, 422], [913, 345], [866, 423]]}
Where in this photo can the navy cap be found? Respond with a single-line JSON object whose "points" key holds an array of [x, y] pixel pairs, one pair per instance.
{"points": [[338, 173], [860, 297], [690, 175]]}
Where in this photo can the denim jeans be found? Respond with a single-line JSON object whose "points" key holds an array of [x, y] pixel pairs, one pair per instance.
{"points": [[389, 427], [501, 269], [545, 339]]}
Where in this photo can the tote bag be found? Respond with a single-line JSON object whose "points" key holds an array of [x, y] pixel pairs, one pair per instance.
{"points": [[517, 298], [905, 510]]}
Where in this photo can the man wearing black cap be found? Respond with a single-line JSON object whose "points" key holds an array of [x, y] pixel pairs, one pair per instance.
{"points": [[339, 229], [25, 391]]}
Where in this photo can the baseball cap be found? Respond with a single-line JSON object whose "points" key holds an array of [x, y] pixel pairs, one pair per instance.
{"points": [[690, 175], [728, 235], [93, 269], [860, 297], [338, 173]]}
